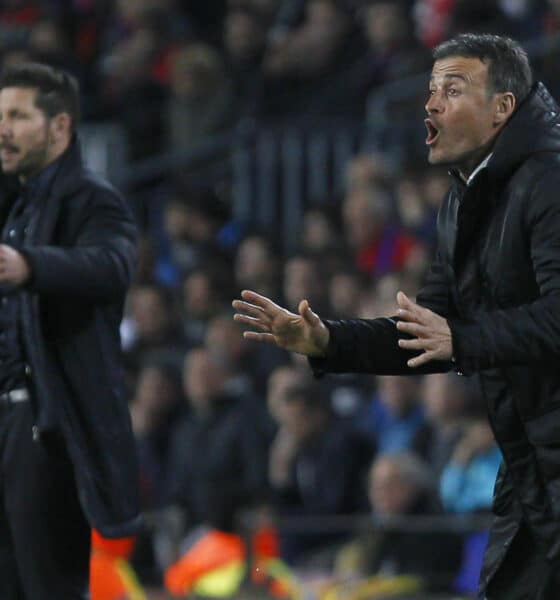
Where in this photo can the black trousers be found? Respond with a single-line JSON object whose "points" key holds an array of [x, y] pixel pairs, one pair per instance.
{"points": [[44, 536], [525, 574]]}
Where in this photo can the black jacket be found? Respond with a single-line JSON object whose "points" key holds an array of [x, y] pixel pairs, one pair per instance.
{"points": [[496, 278], [81, 249]]}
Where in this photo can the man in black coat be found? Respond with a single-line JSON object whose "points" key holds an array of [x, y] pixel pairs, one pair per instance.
{"points": [[67, 250], [491, 302]]}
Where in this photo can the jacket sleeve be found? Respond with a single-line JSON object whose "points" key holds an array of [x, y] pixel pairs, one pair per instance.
{"points": [[528, 333], [99, 265], [371, 345]]}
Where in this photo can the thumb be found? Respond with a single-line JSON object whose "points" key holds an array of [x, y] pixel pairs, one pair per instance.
{"points": [[308, 315]]}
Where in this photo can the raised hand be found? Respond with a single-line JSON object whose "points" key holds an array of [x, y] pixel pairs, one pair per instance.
{"points": [[304, 332], [431, 332]]}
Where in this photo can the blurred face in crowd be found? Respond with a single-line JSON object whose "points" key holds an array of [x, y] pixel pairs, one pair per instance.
{"points": [[389, 491], [364, 215], [203, 379], [322, 14], [281, 380], [200, 300], [300, 281], [385, 24], [149, 312], [176, 220], [225, 341], [29, 140], [196, 71], [318, 232], [398, 394], [300, 420], [155, 392], [244, 37], [253, 262], [464, 116], [345, 292], [442, 401]]}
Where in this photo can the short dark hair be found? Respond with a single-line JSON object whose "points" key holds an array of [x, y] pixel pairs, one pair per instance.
{"points": [[508, 65], [57, 90]]}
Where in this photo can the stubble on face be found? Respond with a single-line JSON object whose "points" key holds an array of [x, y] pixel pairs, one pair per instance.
{"points": [[24, 133], [460, 111]]}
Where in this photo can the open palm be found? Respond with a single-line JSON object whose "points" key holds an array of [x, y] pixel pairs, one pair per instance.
{"points": [[303, 332]]}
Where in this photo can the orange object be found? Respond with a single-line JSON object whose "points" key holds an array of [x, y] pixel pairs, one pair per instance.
{"points": [[111, 576], [118, 547], [214, 550]]}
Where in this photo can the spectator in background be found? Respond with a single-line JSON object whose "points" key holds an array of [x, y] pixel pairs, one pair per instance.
{"points": [[250, 367], [467, 481], [130, 88], [154, 407], [257, 264], [368, 169], [346, 289], [244, 44], [444, 398], [321, 237], [201, 97], [280, 383], [217, 461], [416, 215], [49, 42], [151, 324], [304, 278], [300, 64], [202, 297], [379, 298], [317, 464], [321, 232], [400, 485], [14, 54], [378, 244], [391, 52], [193, 219], [394, 415]]}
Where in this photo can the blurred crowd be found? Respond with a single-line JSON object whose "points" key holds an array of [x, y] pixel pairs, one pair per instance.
{"points": [[175, 71], [225, 427]]}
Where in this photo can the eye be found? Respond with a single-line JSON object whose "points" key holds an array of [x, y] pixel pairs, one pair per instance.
{"points": [[452, 92]]}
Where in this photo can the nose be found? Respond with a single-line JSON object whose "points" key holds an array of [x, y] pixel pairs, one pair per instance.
{"points": [[4, 129], [434, 103]]}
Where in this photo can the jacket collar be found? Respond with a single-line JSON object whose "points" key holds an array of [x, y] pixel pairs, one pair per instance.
{"points": [[533, 128]]}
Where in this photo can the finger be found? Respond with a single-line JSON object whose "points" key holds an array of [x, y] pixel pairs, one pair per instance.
{"points": [[406, 304], [415, 344], [249, 309], [305, 311], [262, 301], [251, 322], [424, 358], [406, 315], [259, 337], [415, 329]]}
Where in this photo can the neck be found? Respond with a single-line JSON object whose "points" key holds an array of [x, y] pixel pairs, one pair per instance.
{"points": [[467, 168], [471, 162]]}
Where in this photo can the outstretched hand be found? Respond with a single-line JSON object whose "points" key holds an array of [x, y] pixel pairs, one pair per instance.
{"points": [[303, 332], [431, 332]]}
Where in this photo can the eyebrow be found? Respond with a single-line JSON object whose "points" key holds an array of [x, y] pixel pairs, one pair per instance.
{"points": [[452, 76]]}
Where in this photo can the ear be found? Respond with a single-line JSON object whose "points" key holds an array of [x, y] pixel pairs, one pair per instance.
{"points": [[60, 127], [503, 108]]}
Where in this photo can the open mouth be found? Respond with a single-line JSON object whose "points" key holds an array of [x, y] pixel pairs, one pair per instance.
{"points": [[433, 132]]}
